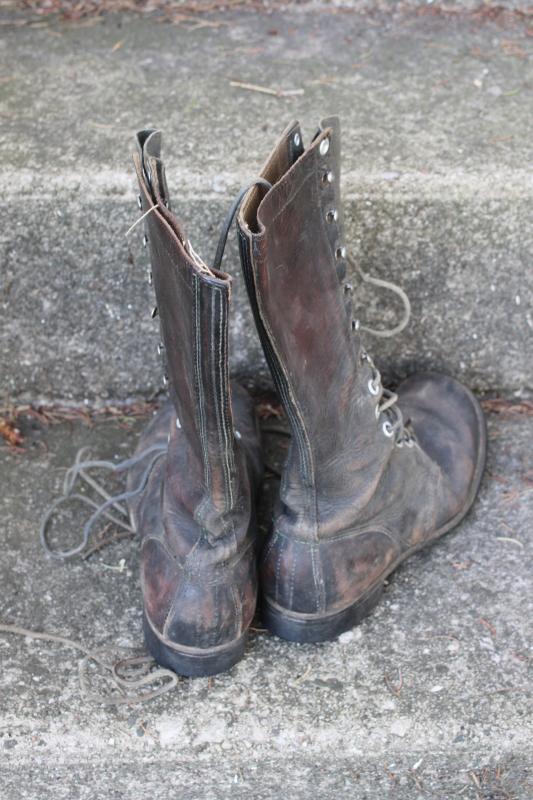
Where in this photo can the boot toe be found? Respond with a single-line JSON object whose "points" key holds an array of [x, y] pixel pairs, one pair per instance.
{"points": [[450, 427]]}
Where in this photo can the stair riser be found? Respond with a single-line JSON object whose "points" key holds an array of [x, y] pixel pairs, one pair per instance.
{"points": [[76, 313]]}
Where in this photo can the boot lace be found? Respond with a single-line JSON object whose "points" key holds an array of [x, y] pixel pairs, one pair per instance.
{"points": [[393, 424], [120, 517], [386, 406]]}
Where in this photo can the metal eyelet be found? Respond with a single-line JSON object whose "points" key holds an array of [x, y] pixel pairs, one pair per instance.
{"points": [[145, 240], [139, 202], [238, 435], [328, 177], [340, 253], [150, 278], [324, 146], [410, 442], [372, 388], [388, 430], [178, 423], [365, 358], [355, 324], [165, 380], [332, 215], [155, 312], [297, 139], [377, 411], [348, 287], [160, 348]]}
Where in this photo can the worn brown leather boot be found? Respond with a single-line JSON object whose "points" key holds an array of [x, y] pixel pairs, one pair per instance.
{"points": [[371, 476], [195, 513]]}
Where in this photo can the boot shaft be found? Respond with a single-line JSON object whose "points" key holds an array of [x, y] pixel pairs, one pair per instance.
{"points": [[193, 307], [292, 248]]}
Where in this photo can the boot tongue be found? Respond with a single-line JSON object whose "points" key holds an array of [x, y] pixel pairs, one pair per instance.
{"points": [[287, 151], [149, 146], [153, 170]]}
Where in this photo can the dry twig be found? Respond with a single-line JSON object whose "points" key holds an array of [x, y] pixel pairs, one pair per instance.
{"points": [[511, 408], [253, 87]]}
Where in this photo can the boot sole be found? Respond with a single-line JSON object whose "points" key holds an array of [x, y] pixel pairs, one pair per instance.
{"points": [[193, 662], [306, 628]]}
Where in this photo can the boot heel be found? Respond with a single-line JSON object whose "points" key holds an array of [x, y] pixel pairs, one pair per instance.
{"points": [[190, 661], [305, 628]]}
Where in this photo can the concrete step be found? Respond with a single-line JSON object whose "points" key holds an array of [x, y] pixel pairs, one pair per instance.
{"points": [[428, 699], [436, 112]]}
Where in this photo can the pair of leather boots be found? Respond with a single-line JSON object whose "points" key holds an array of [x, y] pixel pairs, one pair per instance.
{"points": [[370, 477]]}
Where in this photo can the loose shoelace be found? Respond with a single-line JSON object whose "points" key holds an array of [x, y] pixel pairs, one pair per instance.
{"points": [[393, 287], [79, 470], [133, 679], [394, 425]]}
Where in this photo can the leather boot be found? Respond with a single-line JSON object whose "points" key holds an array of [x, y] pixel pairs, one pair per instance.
{"points": [[195, 513], [371, 476]]}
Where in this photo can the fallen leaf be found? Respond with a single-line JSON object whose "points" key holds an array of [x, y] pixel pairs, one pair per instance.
{"points": [[10, 433]]}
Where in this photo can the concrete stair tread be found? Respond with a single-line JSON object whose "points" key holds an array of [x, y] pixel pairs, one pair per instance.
{"points": [[430, 688]]}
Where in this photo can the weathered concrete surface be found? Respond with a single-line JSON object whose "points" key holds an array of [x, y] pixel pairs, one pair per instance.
{"points": [[437, 182], [428, 6], [428, 699]]}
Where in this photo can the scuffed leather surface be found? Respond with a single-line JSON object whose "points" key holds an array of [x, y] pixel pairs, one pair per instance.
{"points": [[196, 516], [352, 503], [193, 594]]}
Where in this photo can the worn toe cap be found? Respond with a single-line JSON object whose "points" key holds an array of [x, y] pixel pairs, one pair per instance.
{"points": [[450, 427]]}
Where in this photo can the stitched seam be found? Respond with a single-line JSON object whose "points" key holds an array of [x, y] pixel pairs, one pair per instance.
{"points": [[321, 584], [291, 586], [227, 427], [315, 577], [218, 390], [343, 536], [214, 631], [278, 567], [268, 549], [238, 610], [227, 422], [222, 428], [199, 382]]}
